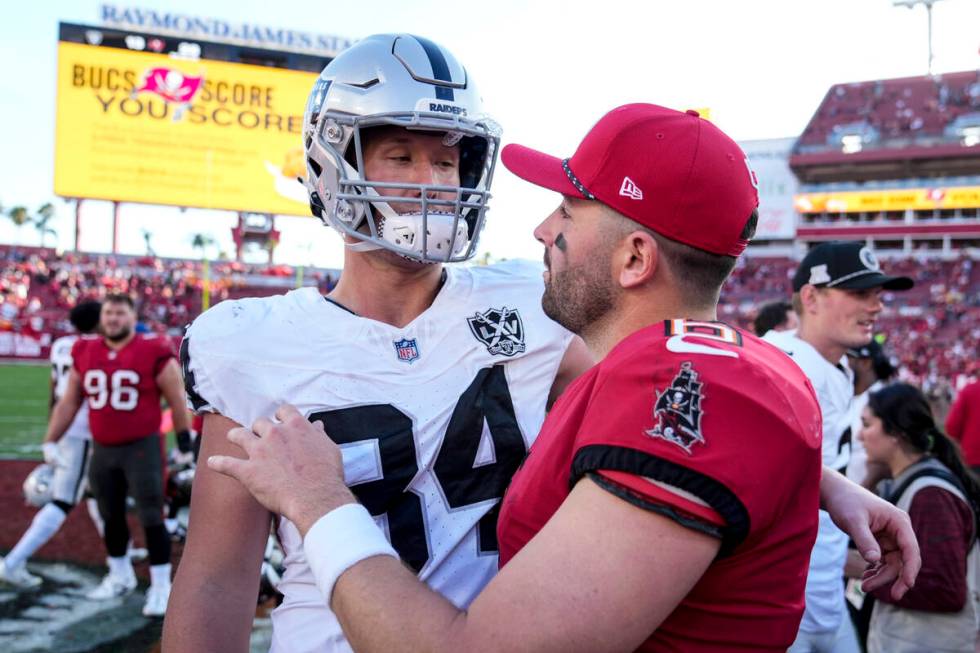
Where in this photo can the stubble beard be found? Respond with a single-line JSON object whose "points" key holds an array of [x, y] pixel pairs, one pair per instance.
{"points": [[119, 336], [578, 297]]}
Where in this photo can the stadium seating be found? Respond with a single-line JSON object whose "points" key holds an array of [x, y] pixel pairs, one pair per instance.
{"points": [[39, 286], [908, 110], [933, 330]]}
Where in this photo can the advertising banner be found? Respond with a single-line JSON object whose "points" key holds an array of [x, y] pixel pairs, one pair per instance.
{"points": [[137, 126]]}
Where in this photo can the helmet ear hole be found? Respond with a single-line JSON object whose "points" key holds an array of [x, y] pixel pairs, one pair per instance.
{"points": [[472, 156]]}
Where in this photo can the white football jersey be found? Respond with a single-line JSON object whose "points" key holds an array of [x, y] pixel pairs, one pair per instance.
{"points": [[834, 385], [61, 363], [433, 418]]}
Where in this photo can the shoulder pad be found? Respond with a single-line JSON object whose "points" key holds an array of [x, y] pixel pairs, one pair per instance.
{"points": [[221, 324]]}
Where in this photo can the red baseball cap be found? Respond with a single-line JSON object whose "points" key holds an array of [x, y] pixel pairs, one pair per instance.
{"points": [[673, 172]]}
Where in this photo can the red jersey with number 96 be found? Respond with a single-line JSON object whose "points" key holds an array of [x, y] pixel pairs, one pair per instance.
{"points": [[120, 386]]}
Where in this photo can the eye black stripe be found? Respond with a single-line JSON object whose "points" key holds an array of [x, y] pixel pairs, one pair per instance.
{"points": [[440, 68]]}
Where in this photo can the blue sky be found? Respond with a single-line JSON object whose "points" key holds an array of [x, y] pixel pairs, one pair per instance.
{"points": [[547, 71]]}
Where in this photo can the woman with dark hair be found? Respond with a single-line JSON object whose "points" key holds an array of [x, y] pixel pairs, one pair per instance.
{"points": [[931, 483]]}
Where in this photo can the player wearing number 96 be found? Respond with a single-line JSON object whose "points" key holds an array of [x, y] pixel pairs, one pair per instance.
{"points": [[434, 379], [121, 376]]}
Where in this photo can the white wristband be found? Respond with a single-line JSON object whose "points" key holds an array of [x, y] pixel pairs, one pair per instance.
{"points": [[339, 540]]}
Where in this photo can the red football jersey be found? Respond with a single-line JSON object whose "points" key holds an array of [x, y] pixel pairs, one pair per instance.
{"points": [[120, 386], [715, 429]]}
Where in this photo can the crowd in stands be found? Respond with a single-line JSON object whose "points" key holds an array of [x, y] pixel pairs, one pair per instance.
{"points": [[932, 331], [39, 286], [894, 108]]}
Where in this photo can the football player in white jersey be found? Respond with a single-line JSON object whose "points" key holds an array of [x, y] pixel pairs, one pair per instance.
{"points": [[436, 379], [837, 293], [69, 457]]}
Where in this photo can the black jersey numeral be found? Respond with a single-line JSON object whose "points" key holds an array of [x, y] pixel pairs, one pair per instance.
{"points": [[486, 400]]}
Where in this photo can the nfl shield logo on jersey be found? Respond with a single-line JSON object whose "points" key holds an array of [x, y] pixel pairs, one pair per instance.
{"points": [[500, 329], [678, 410], [407, 350]]}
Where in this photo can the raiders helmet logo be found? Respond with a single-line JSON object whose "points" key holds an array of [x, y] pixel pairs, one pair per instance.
{"points": [[678, 411], [500, 329], [868, 259]]}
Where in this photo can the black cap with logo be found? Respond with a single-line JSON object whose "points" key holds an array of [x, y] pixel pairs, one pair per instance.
{"points": [[848, 265]]}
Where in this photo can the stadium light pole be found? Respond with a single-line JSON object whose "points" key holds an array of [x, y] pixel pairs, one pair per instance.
{"points": [[910, 4], [78, 222]]}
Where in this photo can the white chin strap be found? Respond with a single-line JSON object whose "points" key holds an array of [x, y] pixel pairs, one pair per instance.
{"points": [[404, 232]]}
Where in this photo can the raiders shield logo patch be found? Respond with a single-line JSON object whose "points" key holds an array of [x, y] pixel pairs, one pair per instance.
{"points": [[678, 410], [500, 329]]}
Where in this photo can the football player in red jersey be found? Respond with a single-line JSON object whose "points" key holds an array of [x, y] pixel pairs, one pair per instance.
{"points": [[122, 376], [670, 501]]}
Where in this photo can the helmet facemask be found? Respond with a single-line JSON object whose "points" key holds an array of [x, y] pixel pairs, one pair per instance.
{"points": [[441, 229]]}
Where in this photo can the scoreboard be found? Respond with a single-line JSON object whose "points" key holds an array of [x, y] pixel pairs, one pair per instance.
{"points": [[159, 119]]}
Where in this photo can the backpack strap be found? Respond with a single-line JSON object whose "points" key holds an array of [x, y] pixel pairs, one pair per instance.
{"points": [[944, 475], [900, 489]]}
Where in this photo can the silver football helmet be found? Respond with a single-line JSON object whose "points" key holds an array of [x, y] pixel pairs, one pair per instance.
{"points": [[38, 486], [410, 82]]}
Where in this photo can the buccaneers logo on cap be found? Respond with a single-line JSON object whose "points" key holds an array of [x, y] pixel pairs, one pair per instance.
{"points": [[678, 410]]}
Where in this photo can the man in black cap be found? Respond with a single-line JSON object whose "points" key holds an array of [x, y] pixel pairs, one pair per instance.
{"points": [[837, 295]]}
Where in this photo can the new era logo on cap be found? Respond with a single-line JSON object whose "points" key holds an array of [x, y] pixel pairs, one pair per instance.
{"points": [[630, 189]]}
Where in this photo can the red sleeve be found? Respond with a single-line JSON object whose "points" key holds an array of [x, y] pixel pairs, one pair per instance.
{"points": [[163, 352], [677, 436], [657, 492], [943, 524], [956, 420]]}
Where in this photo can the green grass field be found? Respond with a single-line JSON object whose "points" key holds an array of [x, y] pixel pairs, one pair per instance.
{"points": [[24, 397], [23, 409]]}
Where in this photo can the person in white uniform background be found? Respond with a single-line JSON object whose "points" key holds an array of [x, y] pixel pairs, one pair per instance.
{"points": [[837, 295], [68, 457]]}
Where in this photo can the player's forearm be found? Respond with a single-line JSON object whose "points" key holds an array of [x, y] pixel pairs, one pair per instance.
{"points": [[206, 614], [61, 418], [382, 606], [832, 484], [182, 419]]}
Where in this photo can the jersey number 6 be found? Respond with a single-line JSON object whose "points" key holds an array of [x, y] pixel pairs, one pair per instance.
{"points": [[486, 399]]}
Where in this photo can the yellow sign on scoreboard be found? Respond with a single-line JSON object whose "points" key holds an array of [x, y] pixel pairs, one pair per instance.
{"points": [[922, 199], [145, 127]]}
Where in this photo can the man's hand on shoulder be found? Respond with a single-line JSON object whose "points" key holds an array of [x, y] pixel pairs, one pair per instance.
{"points": [[292, 467]]}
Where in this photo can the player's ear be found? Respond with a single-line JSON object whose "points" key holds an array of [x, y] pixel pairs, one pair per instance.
{"points": [[636, 258], [809, 295]]}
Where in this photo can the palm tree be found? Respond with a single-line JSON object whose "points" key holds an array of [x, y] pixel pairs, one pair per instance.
{"points": [[201, 242], [44, 215], [147, 235], [20, 217]]}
